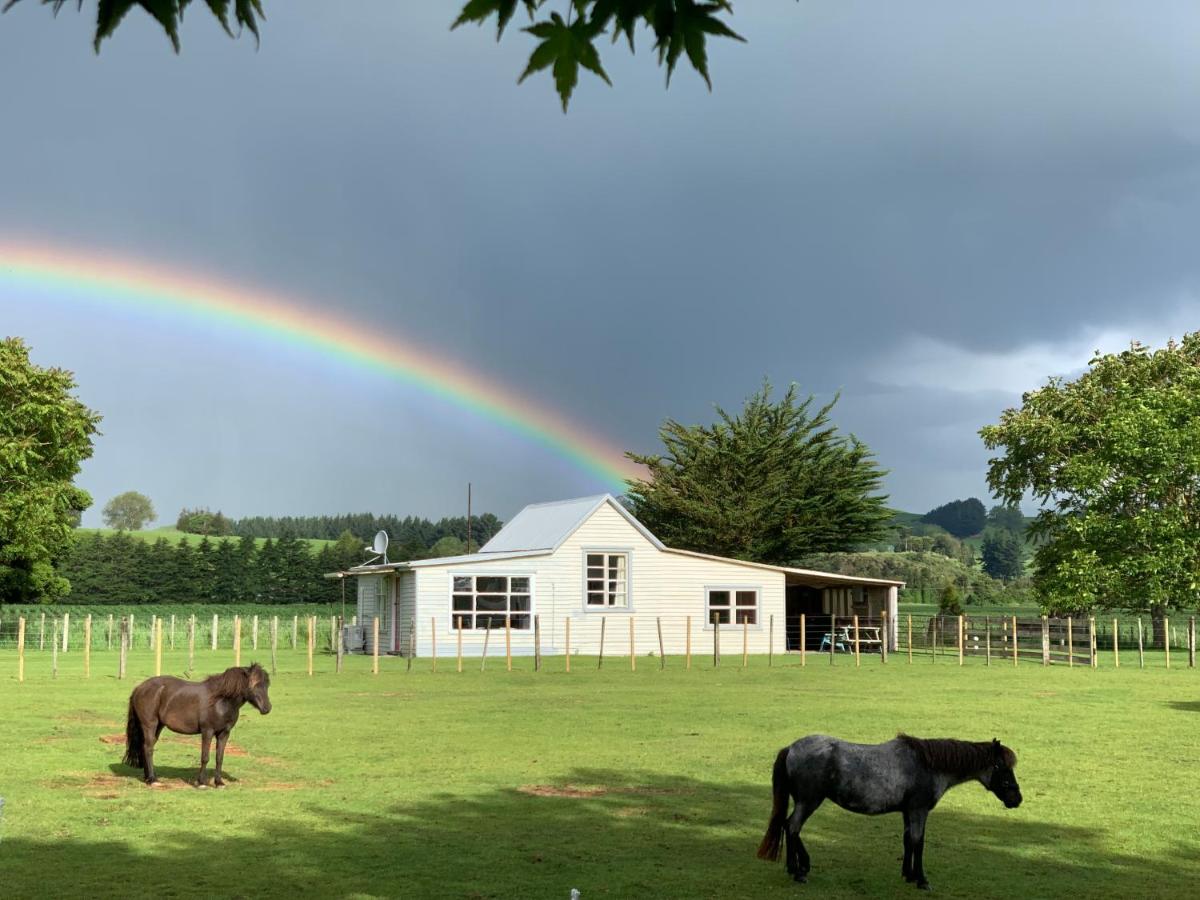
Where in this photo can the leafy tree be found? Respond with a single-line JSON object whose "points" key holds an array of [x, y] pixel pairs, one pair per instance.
{"points": [[45, 433], [565, 38], [1113, 459], [129, 511], [448, 546], [203, 521], [962, 518], [770, 484], [949, 601], [1002, 553]]}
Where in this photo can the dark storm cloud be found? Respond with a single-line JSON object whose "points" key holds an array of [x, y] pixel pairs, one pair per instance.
{"points": [[903, 202]]}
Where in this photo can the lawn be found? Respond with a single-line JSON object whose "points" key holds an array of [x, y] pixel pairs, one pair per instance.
{"points": [[621, 784]]}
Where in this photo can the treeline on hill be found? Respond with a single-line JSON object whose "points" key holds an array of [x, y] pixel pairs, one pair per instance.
{"points": [[409, 531]]}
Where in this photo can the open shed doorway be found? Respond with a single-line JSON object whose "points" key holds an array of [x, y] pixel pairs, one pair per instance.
{"points": [[806, 600]]}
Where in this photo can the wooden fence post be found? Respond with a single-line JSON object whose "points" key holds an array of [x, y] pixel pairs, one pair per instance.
{"points": [[771, 641], [1070, 643], [632, 648], [537, 643], [987, 640], [961, 637], [215, 626], [487, 634], [745, 642], [254, 634], [432, 637], [108, 634], [275, 645], [600, 659], [335, 633], [857, 646], [716, 642], [42, 633], [459, 623], [909, 638], [412, 640], [311, 640], [1191, 642], [87, 646], [172, 631], [237, 640], [662, 655], [54, 651], [295, 630], [158, 646], [374, 645], [191, 645], [508, 642], [687, 664], [20, 649], [1092, 641], [886, 636], [123, 646], [66, 631], [568, 647], [1167, 640], [1116, 646], [1141, 646]]}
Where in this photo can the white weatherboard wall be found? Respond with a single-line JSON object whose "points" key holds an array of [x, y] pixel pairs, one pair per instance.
{"points": [[661, 583]]}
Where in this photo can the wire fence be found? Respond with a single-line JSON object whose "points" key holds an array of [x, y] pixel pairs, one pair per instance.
{"points": [[677, 641]]}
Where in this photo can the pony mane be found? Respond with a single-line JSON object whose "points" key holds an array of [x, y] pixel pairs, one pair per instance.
{"points": [[956, 757], [232, 684]]}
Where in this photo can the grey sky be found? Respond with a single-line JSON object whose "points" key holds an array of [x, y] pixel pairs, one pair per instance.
{"points": [[927, 206]]}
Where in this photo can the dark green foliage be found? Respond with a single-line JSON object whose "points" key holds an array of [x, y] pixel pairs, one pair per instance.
{"points": [[128, 511], [924, 573], [1003, 554], [1010, 518], [771, 484], [203, 521], [566, 38], [45, 433], [167, 13], [962, 518], [361, 527], [949, 601]]}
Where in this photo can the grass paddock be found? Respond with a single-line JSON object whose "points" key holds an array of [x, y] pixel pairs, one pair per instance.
{"points": [[621, 784]]}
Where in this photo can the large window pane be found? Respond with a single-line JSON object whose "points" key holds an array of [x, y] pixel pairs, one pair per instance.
{"points": [[520, 623], [747, 598], [519, 602], [491, 584], [746, 615], [595, 559], [462, 602], [462, 584], [491, 602], [595, 598], [718, 598], [518, 585]]}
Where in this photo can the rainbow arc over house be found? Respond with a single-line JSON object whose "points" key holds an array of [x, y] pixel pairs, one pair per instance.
{"points": [[110, 282]]}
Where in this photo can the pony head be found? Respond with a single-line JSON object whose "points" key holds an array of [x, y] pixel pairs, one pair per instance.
{"points": [[1000, 779], [256, 692]]}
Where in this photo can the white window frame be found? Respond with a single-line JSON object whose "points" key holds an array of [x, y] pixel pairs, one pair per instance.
{"points": [[475, 612], [732, 590], [607, 552]]}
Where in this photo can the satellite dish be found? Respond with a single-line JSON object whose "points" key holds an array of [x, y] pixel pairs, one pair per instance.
{"points": [[380, 544]]}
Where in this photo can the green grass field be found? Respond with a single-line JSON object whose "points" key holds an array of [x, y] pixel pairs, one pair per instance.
{"points": [[621, 784]]}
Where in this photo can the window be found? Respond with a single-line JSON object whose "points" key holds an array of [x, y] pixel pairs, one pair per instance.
{"points": [[487, 601], [607, 580], [732, 606]]}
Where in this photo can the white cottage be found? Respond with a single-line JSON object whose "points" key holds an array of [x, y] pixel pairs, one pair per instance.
{"points": [[589, 561]]}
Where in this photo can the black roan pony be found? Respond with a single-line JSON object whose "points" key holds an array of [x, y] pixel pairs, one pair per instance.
{"points": [[906, 775], [208, 708]]}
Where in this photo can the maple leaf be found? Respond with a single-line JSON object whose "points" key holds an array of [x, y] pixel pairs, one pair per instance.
{"points": [[566, 48], [683, 26]]}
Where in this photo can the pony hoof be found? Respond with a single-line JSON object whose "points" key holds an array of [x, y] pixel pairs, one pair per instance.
{"points": [[923, 886], [800, 878], [201, 786]]}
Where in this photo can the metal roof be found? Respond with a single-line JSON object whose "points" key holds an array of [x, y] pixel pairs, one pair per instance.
{"points": [[544, 526]]}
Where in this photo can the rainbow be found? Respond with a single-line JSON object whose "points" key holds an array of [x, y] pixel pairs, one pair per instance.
{"points": [[111, 282]]}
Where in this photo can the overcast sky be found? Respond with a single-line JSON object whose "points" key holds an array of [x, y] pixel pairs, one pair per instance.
{"points": [[927, 206]]}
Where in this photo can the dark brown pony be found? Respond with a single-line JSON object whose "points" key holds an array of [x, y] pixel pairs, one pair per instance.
{"points": [[209, 707]]}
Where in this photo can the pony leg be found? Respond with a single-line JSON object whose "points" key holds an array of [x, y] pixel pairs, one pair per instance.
{"points": [[205, 742], [150, 731], [906, 866], [222, 737], [916, 838], [797, 852]]}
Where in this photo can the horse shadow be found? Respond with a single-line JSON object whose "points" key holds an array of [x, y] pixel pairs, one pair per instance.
{"points": [[1184, 705], [165, 773], [617, 833]]}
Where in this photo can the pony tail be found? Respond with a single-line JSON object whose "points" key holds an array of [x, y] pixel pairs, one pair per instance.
{"points": [[133, 738], [769, 848]]}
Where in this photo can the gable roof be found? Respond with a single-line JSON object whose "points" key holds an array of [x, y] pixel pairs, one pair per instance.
{"points": [[545, 526]]}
